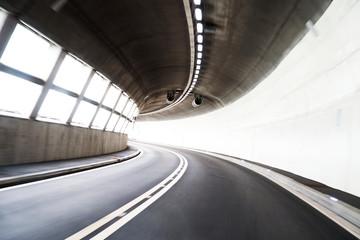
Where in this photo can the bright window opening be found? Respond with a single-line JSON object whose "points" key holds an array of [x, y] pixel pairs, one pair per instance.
{"points": [[84, 114], [199, 55], [119, 125], [56, 107], [136, 113], [101, 118], [111, 97], [200, 47], [30, 53], [198, 61], [197, 67], [128, 108], [121, 103], [112, 122], [132, 113], [197, 2], [97, 88], [72, 75], [197, 72], [126, 128], [17, 96], [200, 38]]}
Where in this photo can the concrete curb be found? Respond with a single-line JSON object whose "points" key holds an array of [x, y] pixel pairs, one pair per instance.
{"points": [[25, 178], [345, 215]]}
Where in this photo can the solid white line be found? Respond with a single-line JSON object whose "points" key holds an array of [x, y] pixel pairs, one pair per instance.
{"points": [[68, 175], [117, 225], [91, 228]]}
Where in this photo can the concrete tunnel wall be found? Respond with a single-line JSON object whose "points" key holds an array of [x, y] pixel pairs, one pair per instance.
{"points": [[24, 141], [303, 118]]}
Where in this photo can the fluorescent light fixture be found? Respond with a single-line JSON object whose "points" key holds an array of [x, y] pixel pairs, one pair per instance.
{"points": [[198, 61], [59, 4], [197, 2], [197, 67], [334, 199], [200, 38], [199, 27], [199, 55], [200, 47], [198, 14]]}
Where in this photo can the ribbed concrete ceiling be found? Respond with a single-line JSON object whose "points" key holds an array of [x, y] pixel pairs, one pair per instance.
{"points": [[143, 46]]}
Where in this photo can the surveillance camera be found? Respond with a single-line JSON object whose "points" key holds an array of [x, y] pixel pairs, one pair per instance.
{"points": [[197, 101], [170, 97]]}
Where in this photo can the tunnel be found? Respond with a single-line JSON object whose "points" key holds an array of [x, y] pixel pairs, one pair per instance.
{"points": [[179, 119]]}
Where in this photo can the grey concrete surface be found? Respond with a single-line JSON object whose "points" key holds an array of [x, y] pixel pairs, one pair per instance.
{"points": [[25, 141], [214, 199]]}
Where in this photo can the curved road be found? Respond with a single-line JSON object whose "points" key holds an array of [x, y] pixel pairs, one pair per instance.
{"points": [[212, 199]]}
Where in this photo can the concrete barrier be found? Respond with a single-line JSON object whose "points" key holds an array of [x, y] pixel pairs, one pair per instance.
{"points": [[26, 141]]}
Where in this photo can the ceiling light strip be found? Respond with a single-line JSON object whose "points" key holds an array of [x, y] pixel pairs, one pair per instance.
{"points": [[200, 41], [185, 93], [196, 18]]}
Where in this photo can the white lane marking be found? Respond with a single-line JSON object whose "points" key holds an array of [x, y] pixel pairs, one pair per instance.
{"points": [[68, 175], [112, 228], [117, 225]]}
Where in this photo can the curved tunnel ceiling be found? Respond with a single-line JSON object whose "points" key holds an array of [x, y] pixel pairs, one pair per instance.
{"points": [[143, 46]]}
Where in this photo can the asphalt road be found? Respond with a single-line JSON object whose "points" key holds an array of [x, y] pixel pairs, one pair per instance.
{"points": [[213, 199]]}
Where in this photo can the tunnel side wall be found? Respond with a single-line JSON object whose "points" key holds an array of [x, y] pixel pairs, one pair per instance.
{"points": [[303, 118], [25, 141]]}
